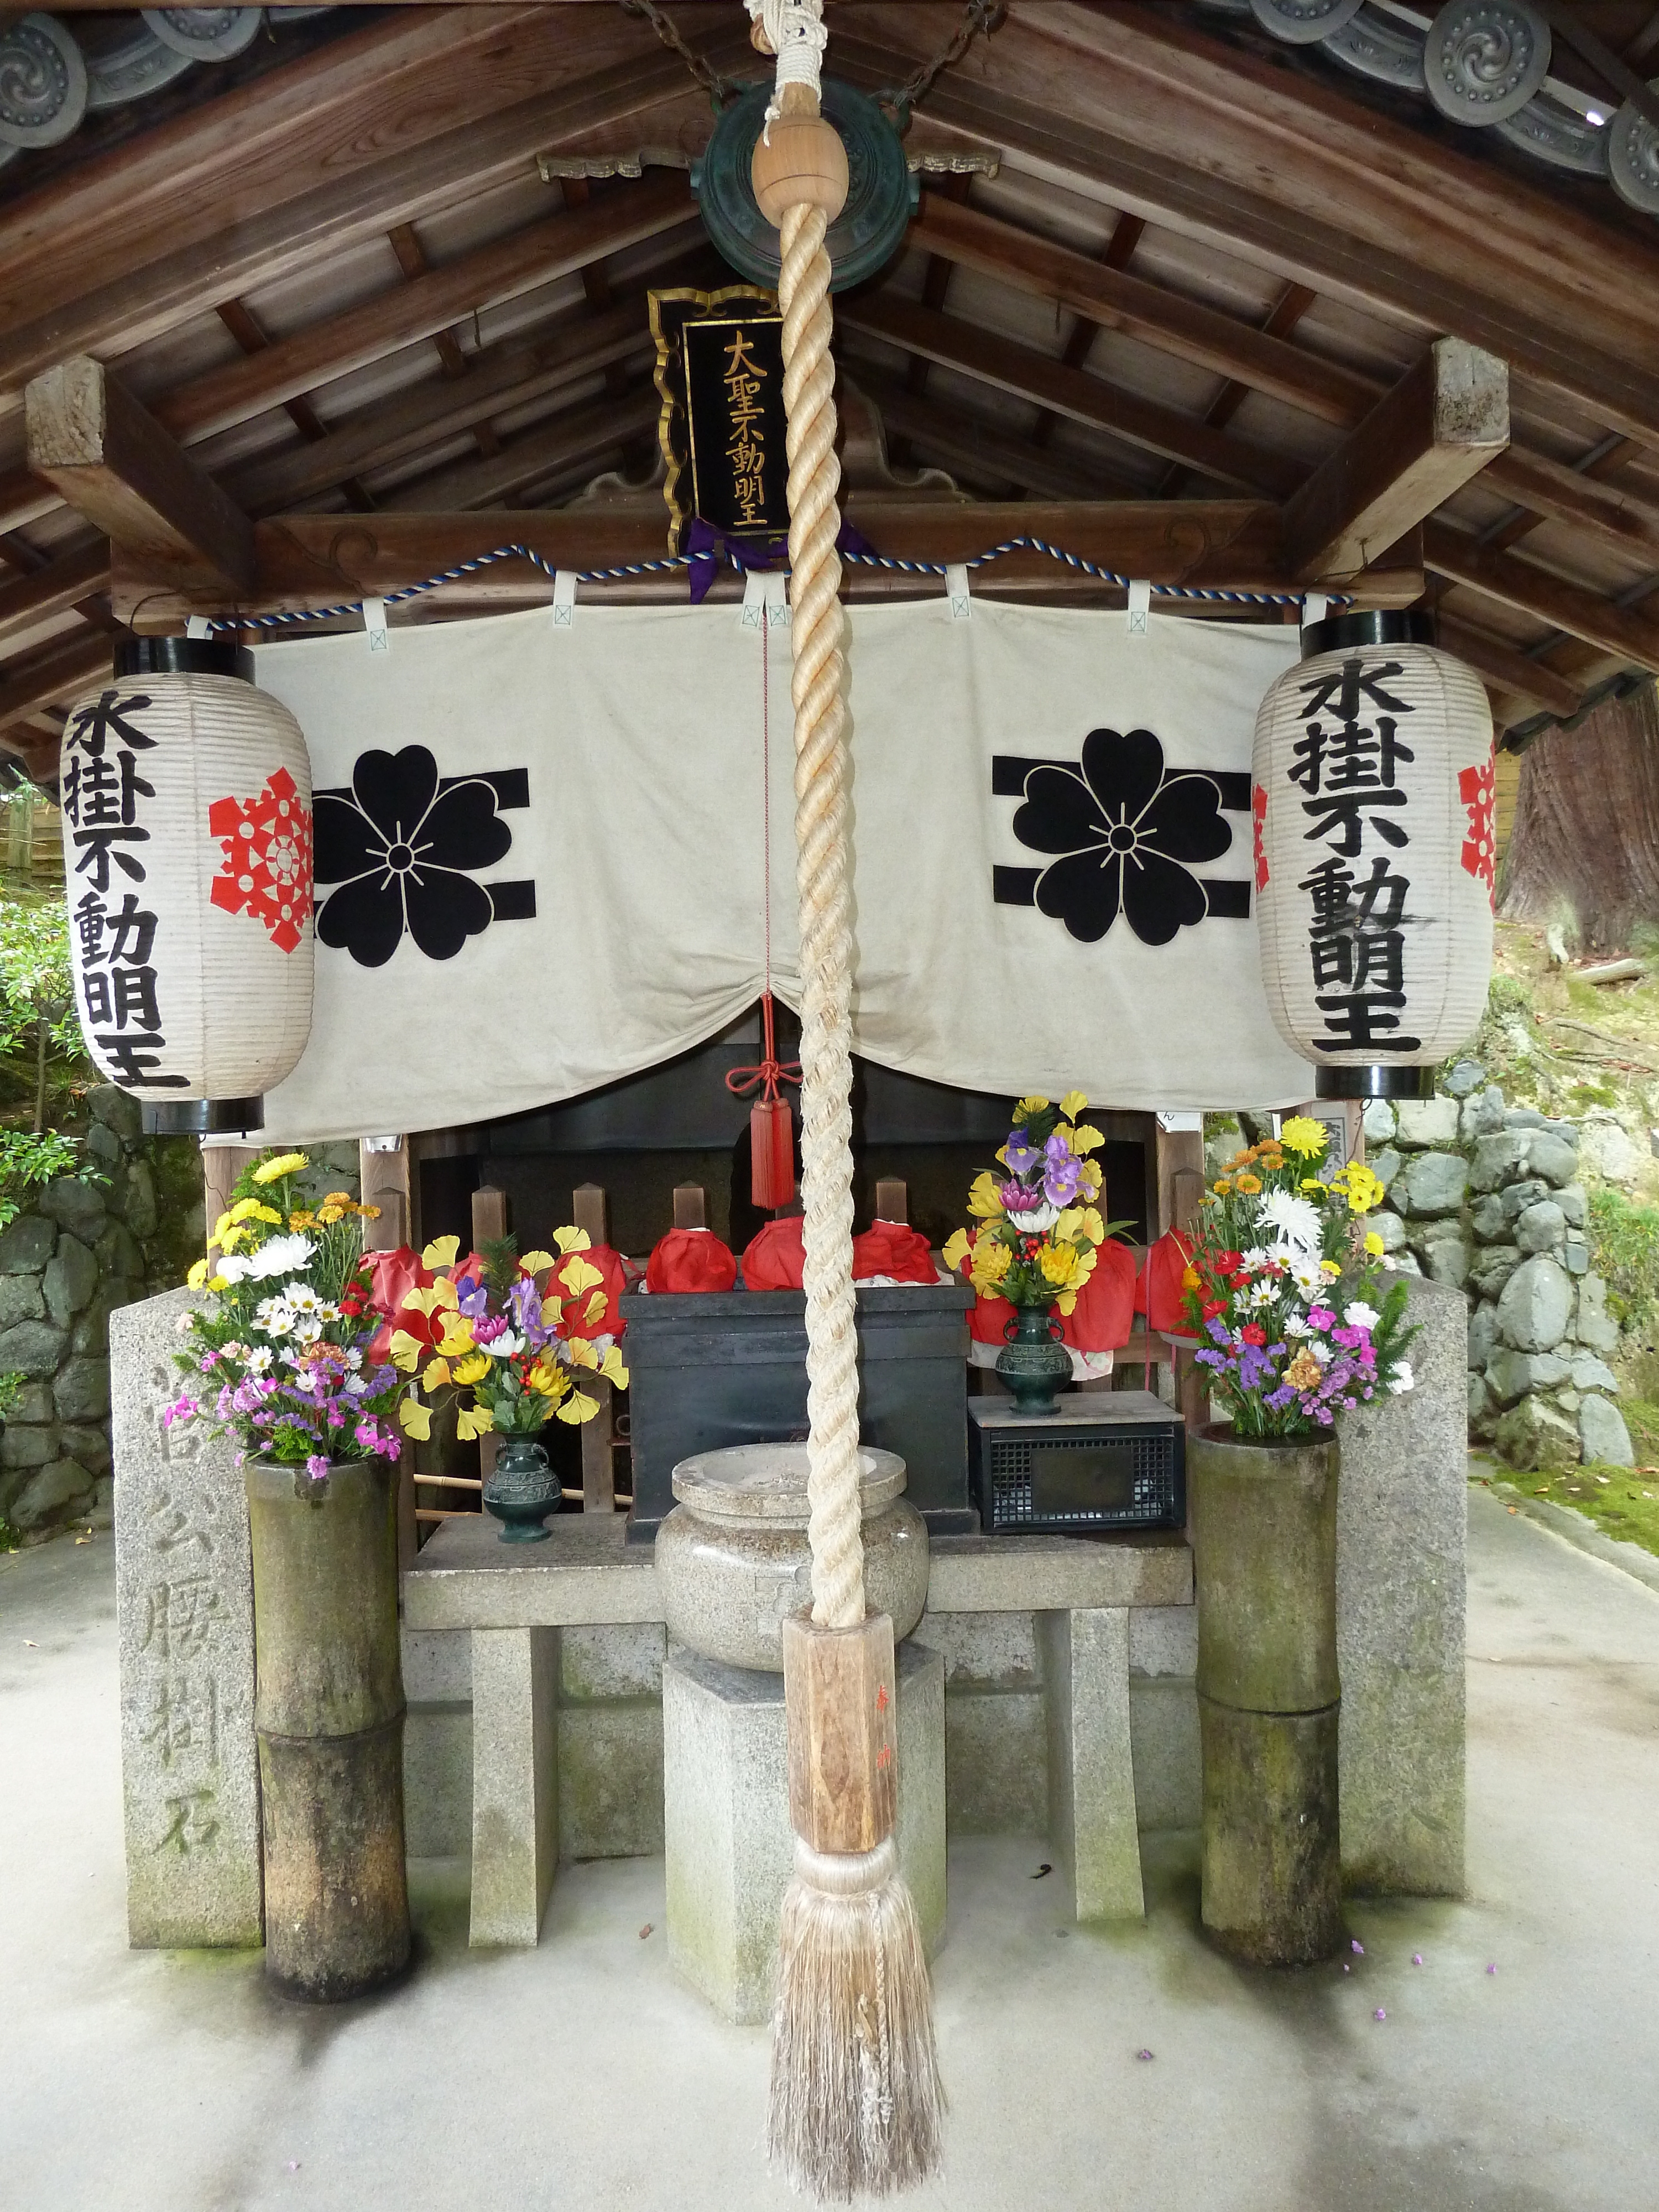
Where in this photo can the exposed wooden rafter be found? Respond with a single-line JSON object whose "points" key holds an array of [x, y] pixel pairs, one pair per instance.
{"points": [[1601, 623], [1440, 425], [115, 465]]}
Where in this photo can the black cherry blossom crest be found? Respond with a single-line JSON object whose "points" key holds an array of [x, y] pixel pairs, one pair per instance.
{"points": [[402, 846], [1123, 830]]}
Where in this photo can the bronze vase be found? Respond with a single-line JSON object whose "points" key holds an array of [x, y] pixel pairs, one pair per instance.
{"points": [[1033, 1362]]}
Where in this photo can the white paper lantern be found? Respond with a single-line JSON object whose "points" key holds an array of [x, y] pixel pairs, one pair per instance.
{"points": [[1372, 800], [187, 861]]}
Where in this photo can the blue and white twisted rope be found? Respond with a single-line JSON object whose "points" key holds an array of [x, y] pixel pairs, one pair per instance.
{"points": [[671, 561]]}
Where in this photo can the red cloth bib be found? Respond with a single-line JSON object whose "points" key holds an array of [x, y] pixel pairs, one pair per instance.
{"points": [[1158, 1293], [574, 1320], [691, 1260], [892, 1248], [773, 1259], [1104, 1315]]}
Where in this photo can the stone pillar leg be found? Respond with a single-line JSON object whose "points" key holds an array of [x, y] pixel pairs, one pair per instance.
{"points": [[515, 1782], [1091, 1785], [729, 1847]]}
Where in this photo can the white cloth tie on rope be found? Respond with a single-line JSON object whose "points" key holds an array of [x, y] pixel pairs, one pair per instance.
{"points": [[794, 31]]}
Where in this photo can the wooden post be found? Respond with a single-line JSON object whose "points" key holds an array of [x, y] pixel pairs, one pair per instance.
{"points": [[892, 1200], [489, 1222], [221, 1166], [589, 1211], [690, 1206], [383, 1180]]}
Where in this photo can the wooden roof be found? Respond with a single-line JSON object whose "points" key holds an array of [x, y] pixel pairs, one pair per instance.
{"points": [[1168, 302]]}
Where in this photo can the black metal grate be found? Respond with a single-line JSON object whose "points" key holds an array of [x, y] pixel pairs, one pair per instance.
{"points": [[1116, 1477]]}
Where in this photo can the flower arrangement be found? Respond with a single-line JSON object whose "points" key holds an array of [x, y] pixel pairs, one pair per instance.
{"points": [[1286, 1284], [1039, 1228], [505, 1336], [284, 1358]]}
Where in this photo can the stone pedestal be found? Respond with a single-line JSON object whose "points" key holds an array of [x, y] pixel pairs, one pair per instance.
{"points": [[1402, 1504], [730, 1848], [183, 1585], [515, 1796], [1091, 1790]]}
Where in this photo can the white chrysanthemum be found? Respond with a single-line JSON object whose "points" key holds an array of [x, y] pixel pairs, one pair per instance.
{"points": [[1296, 1324], [1308, 1276], [1264, 1293], [1401, 1380], [505, 1346], [1258, 1257], [234, 1266], [1320, 1349], [260, 1361], [1360, 1315], [1038, 1219], [280, 1256], [1295, 1221], [306, 1328], [274, 1315], [301, 1297]]}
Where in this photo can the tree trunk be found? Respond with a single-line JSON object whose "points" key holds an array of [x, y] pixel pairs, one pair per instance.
{"points": [[1584, 850], [40, 1073]]}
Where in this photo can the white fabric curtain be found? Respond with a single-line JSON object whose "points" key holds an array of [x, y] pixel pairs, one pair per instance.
{"points": [[1038, 799]]}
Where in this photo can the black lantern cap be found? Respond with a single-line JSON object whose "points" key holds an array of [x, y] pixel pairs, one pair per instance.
{"points": [[1374, 1082], [183, 656], [1381, 626], [203, 1117]]}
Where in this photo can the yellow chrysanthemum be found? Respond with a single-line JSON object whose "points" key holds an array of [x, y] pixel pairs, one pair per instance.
{"points": [[1223, 1186], [457, 1340], [1373, 1244], [984, 1200], [414, 1419], [218, 1282], [1250, 1184], [1312, 1183], [1304, 1136], [548, 1379], [1365, 1192], [474, 1421], [991, 1261], [285, 1164], [197, 1275], [1189, 1279], [328, 1215], [301, 1220], [337, 1198], [473, 1368], [957, 1250], [232, 1238], [1058, 1265], [1330, 1269]]}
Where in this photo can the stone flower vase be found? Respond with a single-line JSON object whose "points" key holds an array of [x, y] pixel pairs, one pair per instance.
{"points": [[329, 1716], [1264, 1544], [1033, 1362]]}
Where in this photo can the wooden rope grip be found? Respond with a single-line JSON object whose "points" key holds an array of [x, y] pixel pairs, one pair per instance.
{"points": [[838, 1686]]}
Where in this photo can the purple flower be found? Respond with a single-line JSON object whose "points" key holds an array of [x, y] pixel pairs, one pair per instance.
{"points": [[1019, 1156], [181, 1409], [209, 1361], [367, 1434], [1320, 1317], [317, 1465], [471, 1297], [485, 1331]]}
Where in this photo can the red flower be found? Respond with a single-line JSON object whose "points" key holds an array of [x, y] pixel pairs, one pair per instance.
{"points": [[1226, 1261], [1237, 1282], [1212, 1307], [1253, 1333]]}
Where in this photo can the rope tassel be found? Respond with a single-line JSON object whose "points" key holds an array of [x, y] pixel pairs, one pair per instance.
{"points": [[856, 2100]]}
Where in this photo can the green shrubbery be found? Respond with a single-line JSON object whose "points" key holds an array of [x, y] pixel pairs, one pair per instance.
{"points": [[1626, 1239]]}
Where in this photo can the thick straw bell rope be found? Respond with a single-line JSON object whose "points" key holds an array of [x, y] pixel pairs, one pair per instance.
{"points": [[856, 2101]]}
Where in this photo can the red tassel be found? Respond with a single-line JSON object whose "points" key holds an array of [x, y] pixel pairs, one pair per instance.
{"points": [[772, 1154], [771, 1134]]}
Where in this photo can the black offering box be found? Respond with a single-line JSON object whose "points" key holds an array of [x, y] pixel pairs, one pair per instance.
{"points": [[710, 1369], [1103, 1459]]}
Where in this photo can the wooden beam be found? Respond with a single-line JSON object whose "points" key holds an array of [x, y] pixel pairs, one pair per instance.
{"points": [[115, 465], [53, 589], [260, 184], [1630, 637], [538, 255], [1511, 671], [985, 451], [1136, 308], [1070, 392], [307, 560], [1201, 136], [1423, 441], [52, 678], [578, 437], [1606, 511]]}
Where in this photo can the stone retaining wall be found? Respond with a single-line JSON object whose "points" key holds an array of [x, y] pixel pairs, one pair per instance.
{"points": [[1487, 1197], [82, 1250]]}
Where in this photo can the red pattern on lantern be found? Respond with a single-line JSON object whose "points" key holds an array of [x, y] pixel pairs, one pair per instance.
{"points": [[1478, 789], [1258, 824], [266, 870]]}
